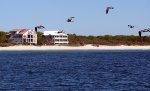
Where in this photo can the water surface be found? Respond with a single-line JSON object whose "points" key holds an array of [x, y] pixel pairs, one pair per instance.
{"points": [[81, 70]]}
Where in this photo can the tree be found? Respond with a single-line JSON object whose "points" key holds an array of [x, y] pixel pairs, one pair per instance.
{"points": [[2, 37], [39, 38], [72, 38]]}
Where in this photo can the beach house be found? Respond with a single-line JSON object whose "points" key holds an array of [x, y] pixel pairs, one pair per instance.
{"points": [[55, 37], [22, 36]]}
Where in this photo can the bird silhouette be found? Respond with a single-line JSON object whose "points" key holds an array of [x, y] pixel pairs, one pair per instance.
{"points": [[107, 9], [61, 31], [130, 26], [70, 19], [144, 30], [39, 27]]}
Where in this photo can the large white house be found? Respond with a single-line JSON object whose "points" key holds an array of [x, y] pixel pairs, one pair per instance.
{"points": [[21, 36], [55, 37]]}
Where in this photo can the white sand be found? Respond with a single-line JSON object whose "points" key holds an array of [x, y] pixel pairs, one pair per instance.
{"points": [[87, 47]]}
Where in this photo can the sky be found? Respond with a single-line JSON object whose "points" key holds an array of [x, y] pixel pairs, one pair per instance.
{"points": [[90, 16]]}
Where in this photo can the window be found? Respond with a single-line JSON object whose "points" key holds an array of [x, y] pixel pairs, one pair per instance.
{"points": [[28, 36]]}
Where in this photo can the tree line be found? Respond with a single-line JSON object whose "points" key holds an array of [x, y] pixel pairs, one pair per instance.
{"points": [[108, 40], [76, 40]]}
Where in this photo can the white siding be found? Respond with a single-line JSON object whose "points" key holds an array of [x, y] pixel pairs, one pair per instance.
{"points": [[56, 38], [24, 36]]}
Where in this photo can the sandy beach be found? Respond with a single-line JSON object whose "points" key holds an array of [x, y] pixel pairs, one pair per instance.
{"points": [[86, 47]]}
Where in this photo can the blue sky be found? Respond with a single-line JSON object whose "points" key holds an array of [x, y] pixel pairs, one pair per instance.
{"points": [[90, 17]]}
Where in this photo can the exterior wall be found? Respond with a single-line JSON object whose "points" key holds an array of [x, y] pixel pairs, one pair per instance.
{"points": [[17, 40], [58, 38], [30, 37], [23, 36]]}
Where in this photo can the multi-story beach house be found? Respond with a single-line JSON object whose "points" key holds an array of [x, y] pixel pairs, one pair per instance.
{"points": [[55, 37], [22, 36]]}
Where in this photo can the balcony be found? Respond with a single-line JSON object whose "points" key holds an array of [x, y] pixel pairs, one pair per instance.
{"points": [[60, 38], [61, 42]]}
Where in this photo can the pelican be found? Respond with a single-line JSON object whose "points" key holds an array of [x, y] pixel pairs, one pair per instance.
{"points": [[70, 19], [144, 30], [107, 9], [130, 26], [61, 31], [39, 27]]}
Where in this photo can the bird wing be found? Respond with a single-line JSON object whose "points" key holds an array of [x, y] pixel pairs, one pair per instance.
{"points": [[107, 9], [71, 17], [140, 33], [69, 20]]}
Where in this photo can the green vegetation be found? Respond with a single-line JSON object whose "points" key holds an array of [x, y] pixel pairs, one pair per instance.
{"points": [[39, 38], [2, 37], [3, 40], [75, 40], [108, 40]]}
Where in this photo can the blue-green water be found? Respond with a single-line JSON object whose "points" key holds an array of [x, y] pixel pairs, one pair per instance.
{"points": [[102, 70]]}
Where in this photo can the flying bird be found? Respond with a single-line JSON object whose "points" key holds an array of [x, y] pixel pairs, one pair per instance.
{"points": [[39, 27], [107, 9], [70, 19], [130, 26], [140, 33], [61, 31], [144, 30]]}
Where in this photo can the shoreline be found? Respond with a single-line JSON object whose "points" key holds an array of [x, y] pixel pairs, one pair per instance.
{"points": [[86, 47]]}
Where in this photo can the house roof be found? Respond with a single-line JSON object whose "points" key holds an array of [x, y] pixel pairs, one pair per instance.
{"points": [[23, 31], [54, 32], [19, 31]]}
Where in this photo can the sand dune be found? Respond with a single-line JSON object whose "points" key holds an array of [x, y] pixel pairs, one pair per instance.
{"points": [[87, 47]]}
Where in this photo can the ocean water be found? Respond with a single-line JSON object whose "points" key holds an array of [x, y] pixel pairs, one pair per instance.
{"points": [[75, 70]]}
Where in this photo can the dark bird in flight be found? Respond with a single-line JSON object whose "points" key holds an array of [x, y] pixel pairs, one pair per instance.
{"points": [[70, 19], [61, 31], [39, 27], [130, 26], [107, 9], [144, 30]]}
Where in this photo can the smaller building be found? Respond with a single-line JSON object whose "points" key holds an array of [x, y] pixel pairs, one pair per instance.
{"points": [[22, 36], [55, 37]]}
